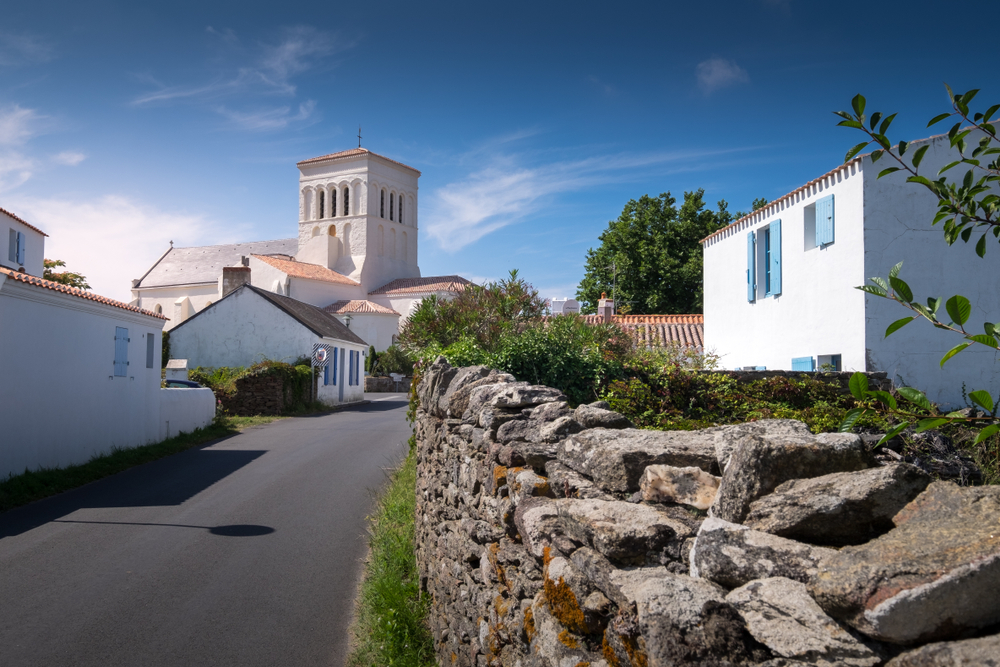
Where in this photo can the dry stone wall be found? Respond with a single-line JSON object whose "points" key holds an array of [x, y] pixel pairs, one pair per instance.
{"points": [[549, 536]]}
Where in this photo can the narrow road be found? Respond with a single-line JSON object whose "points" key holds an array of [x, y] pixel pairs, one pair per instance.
{"points": [[247, 552]]}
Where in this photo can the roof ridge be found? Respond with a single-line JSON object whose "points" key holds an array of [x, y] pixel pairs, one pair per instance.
{"points": [[22, 221], [74, 291], [353, 152]]}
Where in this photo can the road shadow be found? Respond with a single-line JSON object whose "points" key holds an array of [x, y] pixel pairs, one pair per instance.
{"points": [[167, 481]]}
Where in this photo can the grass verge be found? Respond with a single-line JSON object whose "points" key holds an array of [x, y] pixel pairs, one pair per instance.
{"points": [[33, 485], [389, 627]]}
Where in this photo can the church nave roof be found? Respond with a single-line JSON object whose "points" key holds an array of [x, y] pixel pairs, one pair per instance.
{"points": [[309, 271], [204, 264], [358, 306]]}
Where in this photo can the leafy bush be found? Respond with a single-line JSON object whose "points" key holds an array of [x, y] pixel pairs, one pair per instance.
{"points": [[394, 360], [296, 379]]}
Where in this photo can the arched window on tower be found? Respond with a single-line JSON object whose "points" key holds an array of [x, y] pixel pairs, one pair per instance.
{"points": [[322, 204], [381, 204], [392, 204], [158, 310], [400, 209], [333, 202], [347, 201], [333, 230]]}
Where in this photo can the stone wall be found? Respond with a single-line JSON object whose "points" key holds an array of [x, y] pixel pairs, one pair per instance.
{"points": [[255, 395], [557, 537]]}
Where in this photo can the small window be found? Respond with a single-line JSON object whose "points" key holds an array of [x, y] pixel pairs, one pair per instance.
{"points": [[400, 209], [392, 203], [121, 352], [381, 204], [322, 204], [12, 248], [347, 201], [158, 309], [333, 203], [824, 221], [830, 363], [333, 230], [150, 349]]}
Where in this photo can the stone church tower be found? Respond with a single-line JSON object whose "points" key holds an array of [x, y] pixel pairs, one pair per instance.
{"points": [[358, 216]]}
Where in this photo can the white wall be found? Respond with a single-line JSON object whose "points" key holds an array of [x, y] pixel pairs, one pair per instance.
{"points": [[320, 293], [374, 329], [60, 401], [898, 225], [165, 297], [243, 328], [184, 410], [818, 311], [34, 247]]}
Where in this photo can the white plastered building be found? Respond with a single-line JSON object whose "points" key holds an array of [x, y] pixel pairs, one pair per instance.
{"points": [[356, 237], [780, 282]]}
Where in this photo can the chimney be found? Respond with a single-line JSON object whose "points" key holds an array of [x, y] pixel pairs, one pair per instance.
{"points": [[233, 277], [606, 308]]}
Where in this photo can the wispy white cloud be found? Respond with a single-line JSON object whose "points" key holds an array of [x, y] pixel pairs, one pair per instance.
{"points": [[504, 193], [716, 73], [267, 70], [96, 237], [18, 125], [15, 169], [69, 158], [270, 119], [23, 49]]}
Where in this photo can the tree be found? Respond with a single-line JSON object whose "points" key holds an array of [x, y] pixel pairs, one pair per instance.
{"points": [[650, 258], [66, 277], [965, 207]]}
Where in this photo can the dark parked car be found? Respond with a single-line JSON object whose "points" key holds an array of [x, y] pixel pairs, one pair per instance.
{"points": [[181, 384]]}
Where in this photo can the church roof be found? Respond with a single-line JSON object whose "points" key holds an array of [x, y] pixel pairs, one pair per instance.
{"points": [[203, 264], [352, 153], [404, 286], [73, 291], [358, 306], [310, 271], [23, 222]]}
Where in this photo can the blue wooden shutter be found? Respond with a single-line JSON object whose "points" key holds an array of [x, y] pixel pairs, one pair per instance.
{"points": [[803, 364], [357, 368], [336, 358], [12, 248], [774, 259], [326, 374], [21, 239], [350, 367], [824, 221], [751, 268], [121, 352]]}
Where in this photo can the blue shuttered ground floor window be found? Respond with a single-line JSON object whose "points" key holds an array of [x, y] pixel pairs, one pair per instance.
{"points": [[121, 352], [824, 221]]}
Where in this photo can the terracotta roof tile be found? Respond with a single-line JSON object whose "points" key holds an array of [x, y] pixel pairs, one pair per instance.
{"points": [[358, 306], [696, 318], [73, 291], [354, 152], [26, 224], [304, 270], [404, 286], [657, 330]]}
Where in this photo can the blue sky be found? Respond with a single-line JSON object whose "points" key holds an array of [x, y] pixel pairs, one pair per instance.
{"points": [[126, 125]]}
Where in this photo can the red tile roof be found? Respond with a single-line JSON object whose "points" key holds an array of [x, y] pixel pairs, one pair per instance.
{"points": [[26, 224], [404, 286], [696, 318], [304, 270], [661, 334], [73, 291], [358, 306], [354, 152]]}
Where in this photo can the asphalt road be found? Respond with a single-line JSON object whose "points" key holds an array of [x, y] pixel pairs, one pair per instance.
{"points": [[246, 552]]}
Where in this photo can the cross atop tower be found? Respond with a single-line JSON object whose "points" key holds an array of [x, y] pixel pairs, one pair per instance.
{"points": [[359, 136]]}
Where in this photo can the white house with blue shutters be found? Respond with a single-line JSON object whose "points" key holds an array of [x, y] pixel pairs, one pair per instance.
{"points": [[779, 283]]}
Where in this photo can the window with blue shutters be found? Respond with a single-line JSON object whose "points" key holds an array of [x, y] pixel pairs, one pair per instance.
{"points": [[772, 252], [824, 221], [803, 364], [326, 375], [12, 246], [21, 240], [751, 268], [121, 352]]}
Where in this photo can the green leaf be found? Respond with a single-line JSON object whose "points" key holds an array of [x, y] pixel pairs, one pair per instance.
{"points": [[851, 123], [959, 309], [985, 433], [938, 118], [876, 117], [983, 399], [876, 155], [981, 246], [915, 396], [881, 283], [896, 430], [850, 419], [983, 339], [948, 166], [843, 114], [989, 112], [886, 123], [897, 325], [854, 151], [887, 171], [894, 271], [902, 147], [859, 386], [933, 305], [885, 397], [874, 290], [919, 155], [990, 329], [928, 424], [953, 351], [858, 103], [901, 288]]}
